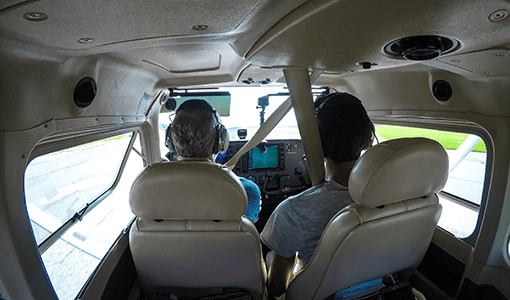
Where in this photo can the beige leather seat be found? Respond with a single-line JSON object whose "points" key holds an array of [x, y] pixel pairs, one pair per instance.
{"points": [[388, 229], [190, 238]]}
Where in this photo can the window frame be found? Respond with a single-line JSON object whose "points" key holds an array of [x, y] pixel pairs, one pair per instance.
{"points": [[460, 126], [68, 139]]}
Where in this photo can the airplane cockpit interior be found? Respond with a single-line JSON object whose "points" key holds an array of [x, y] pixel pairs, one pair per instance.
{"points": [[356, 150]]}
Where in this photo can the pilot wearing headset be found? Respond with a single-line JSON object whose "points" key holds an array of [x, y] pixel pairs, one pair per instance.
{"points": [[197, 133], [297, 223]]}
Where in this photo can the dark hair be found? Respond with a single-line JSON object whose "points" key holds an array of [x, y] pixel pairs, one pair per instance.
{"points": [[194, 129], [344, 126]]}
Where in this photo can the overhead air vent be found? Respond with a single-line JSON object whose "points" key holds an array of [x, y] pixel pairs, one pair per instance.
{"points": [[421, 47], [85, 92]]}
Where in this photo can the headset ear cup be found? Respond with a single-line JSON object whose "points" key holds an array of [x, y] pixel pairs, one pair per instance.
{"points": [[168, 140], [223, 140]]}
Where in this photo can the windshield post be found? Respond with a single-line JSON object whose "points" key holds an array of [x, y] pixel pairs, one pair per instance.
{"points": [[300, 90]]}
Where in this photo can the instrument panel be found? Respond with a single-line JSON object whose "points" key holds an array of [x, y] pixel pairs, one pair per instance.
{"points": [[278, 167]]}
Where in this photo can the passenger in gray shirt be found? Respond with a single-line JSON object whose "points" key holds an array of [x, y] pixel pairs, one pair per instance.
{"points": [[298, 222]]}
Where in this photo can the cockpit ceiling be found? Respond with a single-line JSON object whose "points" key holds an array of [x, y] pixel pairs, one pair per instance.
{"points": [[341, 35], [74, 24], [190, 42]]}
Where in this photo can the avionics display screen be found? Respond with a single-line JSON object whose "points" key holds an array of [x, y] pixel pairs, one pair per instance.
{"points": [[266, 160]]}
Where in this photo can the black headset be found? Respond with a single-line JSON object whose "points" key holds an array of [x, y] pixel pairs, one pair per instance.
{"points": [[222, 138], [324, 101]]}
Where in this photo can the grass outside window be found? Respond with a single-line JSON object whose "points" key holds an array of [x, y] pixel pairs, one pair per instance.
{"points": [[449, 140]]}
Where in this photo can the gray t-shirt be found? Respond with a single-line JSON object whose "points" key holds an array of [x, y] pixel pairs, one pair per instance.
{"points": [[297, 223]]}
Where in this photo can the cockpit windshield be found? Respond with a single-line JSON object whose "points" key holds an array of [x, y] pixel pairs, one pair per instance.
{"points": [[246, 112]]}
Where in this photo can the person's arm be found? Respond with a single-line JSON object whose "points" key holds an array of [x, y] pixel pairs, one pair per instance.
{"points": [[254, 199], [280, 273]]}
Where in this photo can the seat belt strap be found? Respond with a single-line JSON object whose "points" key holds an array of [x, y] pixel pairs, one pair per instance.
{"points": [[268, 125]]}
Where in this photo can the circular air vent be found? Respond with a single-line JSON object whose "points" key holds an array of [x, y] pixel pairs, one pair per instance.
{"points": [[421, 47], [85, 92], [442, 90]]}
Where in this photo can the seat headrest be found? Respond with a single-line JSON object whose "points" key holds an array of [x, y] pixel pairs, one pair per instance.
{"points": [[397, 170], [190, 190]]}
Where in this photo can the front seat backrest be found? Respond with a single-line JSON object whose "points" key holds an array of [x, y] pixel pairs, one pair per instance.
{"points": [[390, 225], [190, 234]]}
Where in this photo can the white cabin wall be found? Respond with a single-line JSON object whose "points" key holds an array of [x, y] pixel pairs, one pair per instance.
{"points": [[409, 88], [36, 88], [23, 275], [491, 259]]}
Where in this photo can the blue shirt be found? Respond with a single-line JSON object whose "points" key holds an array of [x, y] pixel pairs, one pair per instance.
{"points": [[253, 192]]}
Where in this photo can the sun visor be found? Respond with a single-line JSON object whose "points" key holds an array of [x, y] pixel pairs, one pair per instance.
{"points": [[219, 100]]}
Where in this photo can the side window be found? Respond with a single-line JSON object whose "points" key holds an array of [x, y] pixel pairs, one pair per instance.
{"points": [[462, 195], [60, 185]]}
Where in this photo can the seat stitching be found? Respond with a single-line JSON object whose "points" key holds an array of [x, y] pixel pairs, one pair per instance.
{"points": [[358, 214]]}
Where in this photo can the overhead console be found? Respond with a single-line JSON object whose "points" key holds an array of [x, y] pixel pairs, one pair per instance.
{"points": [[278, 167]]}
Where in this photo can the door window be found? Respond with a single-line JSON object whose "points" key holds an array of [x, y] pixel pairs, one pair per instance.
{"points": [[462, 195], [61, 184]]}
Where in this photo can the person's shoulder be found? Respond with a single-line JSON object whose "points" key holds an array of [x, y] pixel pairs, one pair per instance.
{"points": [[248, 183], [300, 199], [334, 186]]}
